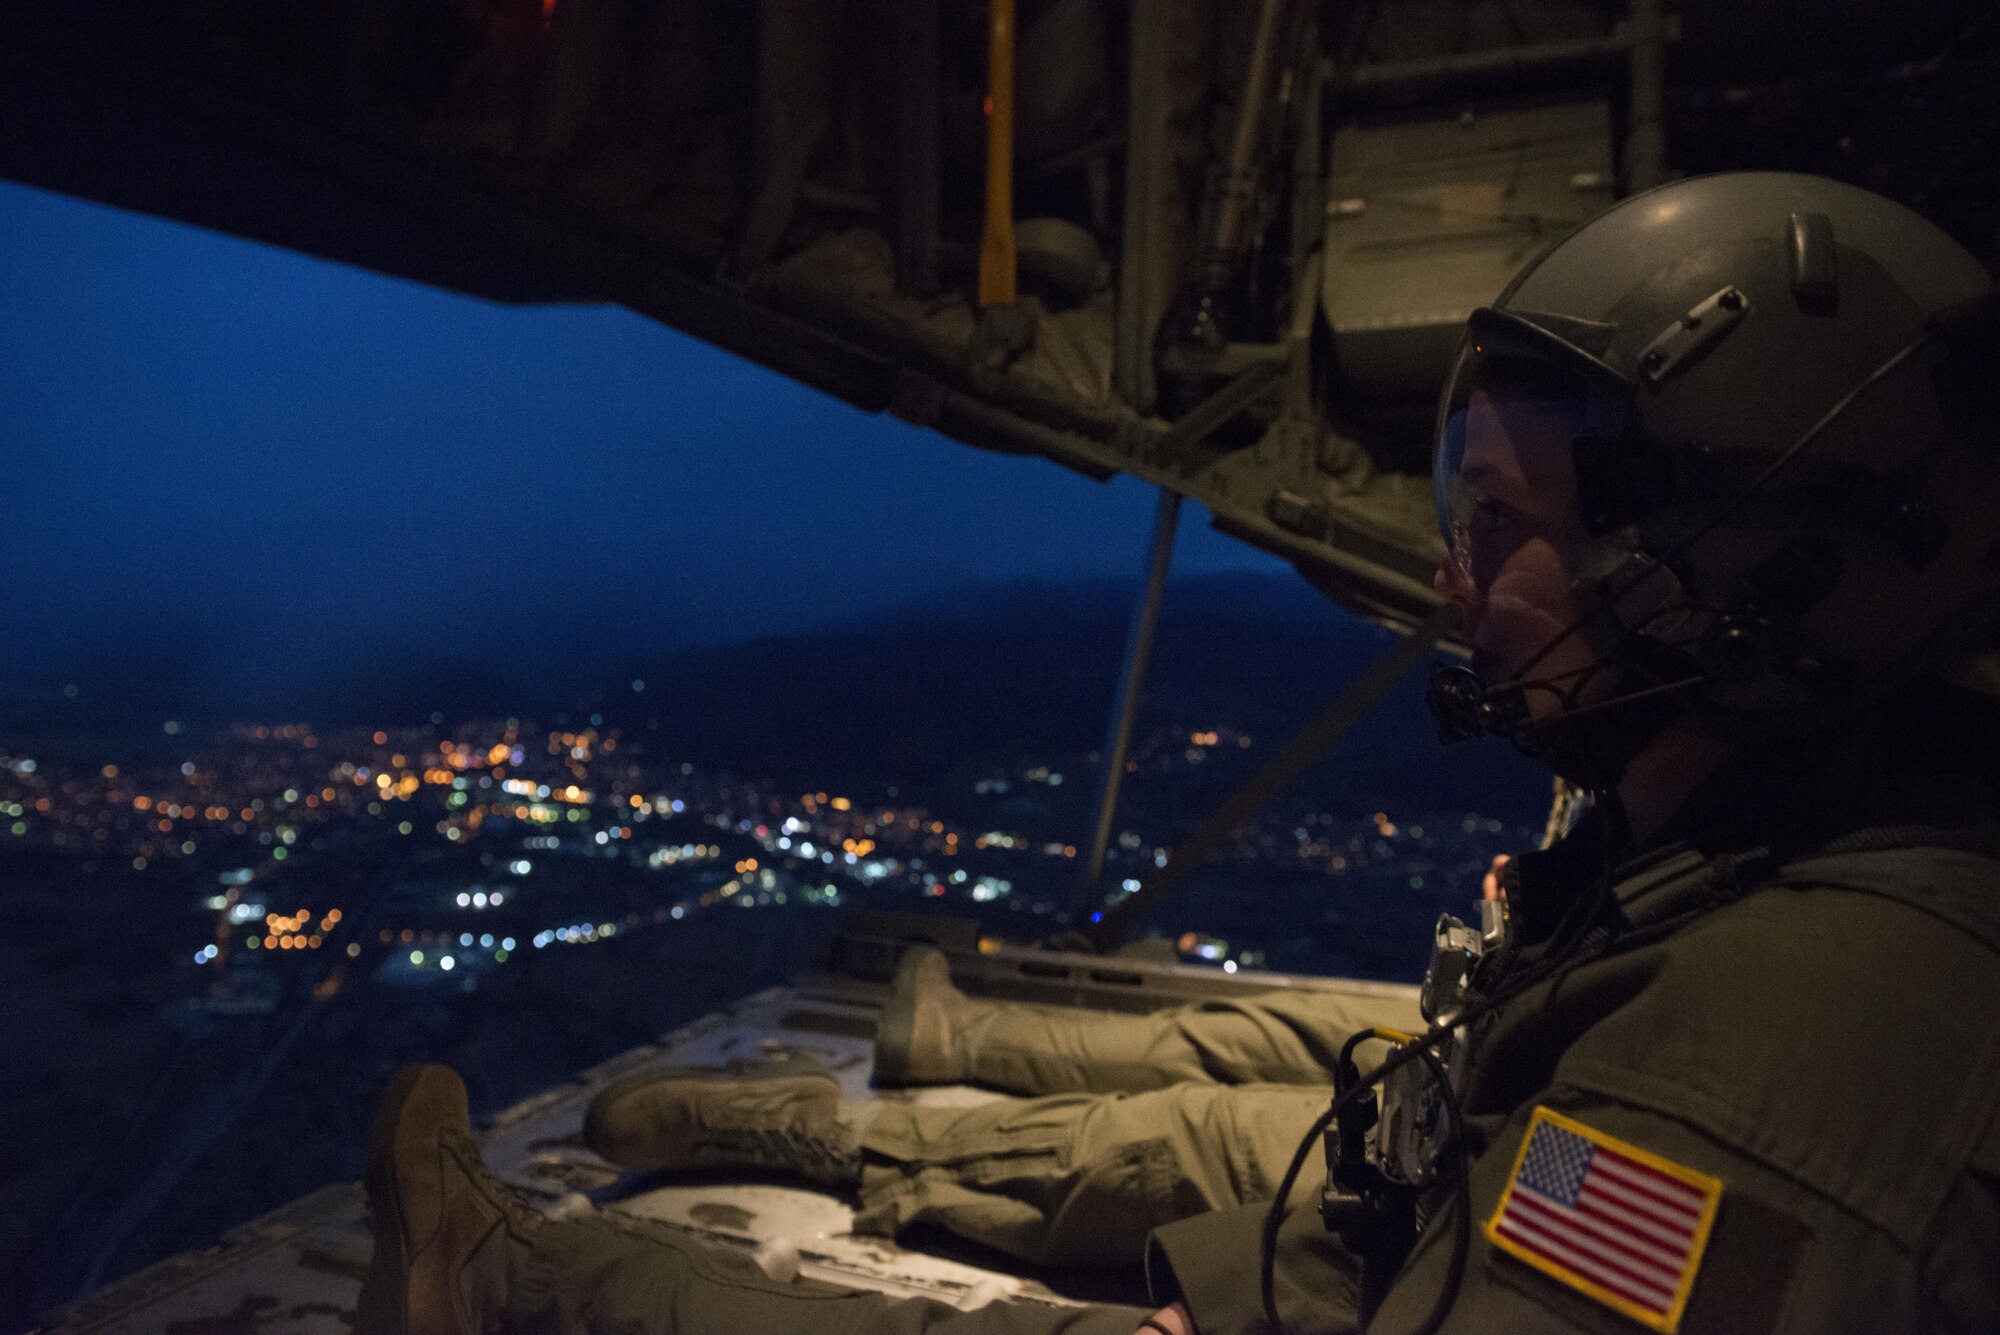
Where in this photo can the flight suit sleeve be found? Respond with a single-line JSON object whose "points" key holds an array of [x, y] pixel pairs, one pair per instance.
{"points": [[1832, 1106], [1841, 1097], [1214, 1263], [1742, 1278], [1959, 1289], [1770, 1240]]}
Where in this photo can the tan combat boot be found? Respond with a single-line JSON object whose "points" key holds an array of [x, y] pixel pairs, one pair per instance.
{"points": [[771, 1117], [916, 1038], [444, 1225]]}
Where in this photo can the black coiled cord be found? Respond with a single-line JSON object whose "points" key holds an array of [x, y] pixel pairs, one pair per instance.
{"points": [[1418, 1049], [1594, 945]]}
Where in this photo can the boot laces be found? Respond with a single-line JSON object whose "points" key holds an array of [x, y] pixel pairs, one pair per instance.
{"points": [[520, 1216], [834, 1157]]}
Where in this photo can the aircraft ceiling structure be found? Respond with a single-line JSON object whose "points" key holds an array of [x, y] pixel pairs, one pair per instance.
{"points": [[1222, 245]]}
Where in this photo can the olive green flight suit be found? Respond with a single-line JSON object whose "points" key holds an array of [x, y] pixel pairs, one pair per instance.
{"points": [[1148, 1132], [1828, 1046], [1288, 1036], [1151, 1128], [602, 1275], [1824, 1039], [1186, 1110]]}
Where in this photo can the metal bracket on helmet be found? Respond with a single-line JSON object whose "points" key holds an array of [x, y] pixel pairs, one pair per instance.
{"points": [[1693, 334], [1751, 639], [1815, 271]]}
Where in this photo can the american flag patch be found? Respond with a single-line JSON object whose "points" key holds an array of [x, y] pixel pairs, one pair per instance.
{"points": [[1623, 1225]]}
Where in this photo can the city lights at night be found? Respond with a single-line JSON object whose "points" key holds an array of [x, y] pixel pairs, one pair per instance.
{"points": [[516, 812]]}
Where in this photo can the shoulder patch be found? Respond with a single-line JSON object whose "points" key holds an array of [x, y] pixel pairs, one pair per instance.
{"points": [[1617, 1223]]}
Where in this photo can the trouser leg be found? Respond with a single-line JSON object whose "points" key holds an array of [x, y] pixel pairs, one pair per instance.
{"points": [[609, 1276], [1080, 1179], [1277, 1037]]}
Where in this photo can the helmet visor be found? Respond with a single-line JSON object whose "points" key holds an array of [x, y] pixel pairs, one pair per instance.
{"points": [[1505, 461]]}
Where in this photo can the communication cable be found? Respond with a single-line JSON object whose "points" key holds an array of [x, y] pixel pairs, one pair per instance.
{"points": [[1594, 945]]}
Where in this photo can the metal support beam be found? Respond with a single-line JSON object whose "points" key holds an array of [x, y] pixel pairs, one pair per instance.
{"points": [[918, 43], [1646, 137], [582, 42], [1308, 184], [1131, 687], [791, 118], [1239, 182], [1394, 78], [1491, 68], [1143, 267], [1252, 384], [1307, 747], [1145, 260]]}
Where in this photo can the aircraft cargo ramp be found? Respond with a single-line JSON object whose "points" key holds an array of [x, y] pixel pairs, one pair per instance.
{"points": [[299, 1268]]}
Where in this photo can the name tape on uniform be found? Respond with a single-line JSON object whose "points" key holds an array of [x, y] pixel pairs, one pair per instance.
{"points": [[1618, 1223]]}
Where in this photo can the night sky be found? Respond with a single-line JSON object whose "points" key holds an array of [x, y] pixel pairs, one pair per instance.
{"points": [[249, 463]]}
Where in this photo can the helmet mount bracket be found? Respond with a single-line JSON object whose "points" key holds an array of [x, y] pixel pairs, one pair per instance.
{"points": [[1812, 259], [1727, 577], [1677, 346]]}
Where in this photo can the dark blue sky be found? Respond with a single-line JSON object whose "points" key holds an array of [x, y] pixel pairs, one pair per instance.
{"points": [[221, 449]]}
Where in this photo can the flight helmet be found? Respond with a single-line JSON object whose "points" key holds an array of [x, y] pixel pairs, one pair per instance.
{"points": [[1783, 437]]}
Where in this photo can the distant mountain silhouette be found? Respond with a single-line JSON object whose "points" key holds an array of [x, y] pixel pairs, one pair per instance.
{"points": [[1027, 671], [921, 692], [132, 692], [1277, 597], [409, 691]]}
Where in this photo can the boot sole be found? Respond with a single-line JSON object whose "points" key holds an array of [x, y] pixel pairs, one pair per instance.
{"points": [[396, 1136], [896, 1028], [786, 1077], [894, 1032]]}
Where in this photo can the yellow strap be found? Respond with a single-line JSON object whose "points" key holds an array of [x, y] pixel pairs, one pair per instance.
{"points": [[996, 242]]}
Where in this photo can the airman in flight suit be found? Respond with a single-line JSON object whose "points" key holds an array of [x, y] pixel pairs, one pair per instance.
{"points": [[1712, 502], [1141, 1119]]}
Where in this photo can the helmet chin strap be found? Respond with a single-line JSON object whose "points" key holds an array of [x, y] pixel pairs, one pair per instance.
{"points": [[1589, 745]]}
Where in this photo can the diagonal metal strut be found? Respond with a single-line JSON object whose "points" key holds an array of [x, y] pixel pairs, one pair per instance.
{"points": [[1243, 391], [1307, 747], [1131, 687]]}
